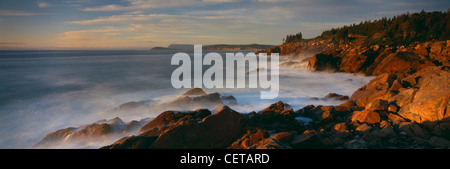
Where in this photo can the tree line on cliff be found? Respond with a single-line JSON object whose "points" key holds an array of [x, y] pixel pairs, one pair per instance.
{"points": [[399, 30]]}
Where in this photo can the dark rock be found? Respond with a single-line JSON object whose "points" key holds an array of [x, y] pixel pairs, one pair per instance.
{"points": [[439, 142], [413, 129], [133, 142], [279, 117], [321, 62], [305, 140], [356, 143]]}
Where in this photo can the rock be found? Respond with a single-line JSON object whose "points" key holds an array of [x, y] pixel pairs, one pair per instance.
{"points": [[229, 100], [356, 143], [396, 119], [340, 127], [430, 102], [195, 92], [275, 109], [348, 103], [269, 143], [377, 104], [90, 134], [252, 137], [413, 129], [279, 117], [305, 140], [363, 128], [193, 102], [377, 88], [215, 131], [393, 108], [439, 142], [322, 61], [366, 116], [405, 97], [130, 106], [133, 142], [332, 95], [169, 118], [388, 131], [336, 96], [284, 137], [399, 62], [410, 81], [440, 52]]}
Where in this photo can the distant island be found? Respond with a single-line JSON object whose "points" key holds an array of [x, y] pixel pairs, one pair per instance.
{"points": [[216, 47]]}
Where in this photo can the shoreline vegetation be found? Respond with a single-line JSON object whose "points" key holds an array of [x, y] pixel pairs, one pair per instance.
{"points": [[406, 106]]}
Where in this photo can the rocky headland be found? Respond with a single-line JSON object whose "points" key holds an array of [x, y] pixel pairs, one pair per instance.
{"points": [[405, 106]]}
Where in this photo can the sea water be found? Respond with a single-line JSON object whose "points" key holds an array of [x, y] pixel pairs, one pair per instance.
{"points": [[43, 91]]}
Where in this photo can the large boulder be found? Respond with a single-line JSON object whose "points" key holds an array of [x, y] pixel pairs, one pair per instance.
{"points": [[378, 88], [429, 105], [215, 131], [366, 116]]}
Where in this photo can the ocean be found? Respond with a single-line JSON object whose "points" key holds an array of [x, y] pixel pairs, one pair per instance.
{"points": [[43, 91]]}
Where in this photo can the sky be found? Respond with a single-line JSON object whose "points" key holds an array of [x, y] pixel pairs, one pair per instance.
{"points": [[143, 24]]}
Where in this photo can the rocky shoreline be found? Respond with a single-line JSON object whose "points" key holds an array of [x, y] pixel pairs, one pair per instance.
{"points": [[406, 106]]}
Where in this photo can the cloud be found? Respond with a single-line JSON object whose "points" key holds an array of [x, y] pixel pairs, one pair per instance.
{"points": [[127, 18], [43, 4], [16, 13], [151, 4]]}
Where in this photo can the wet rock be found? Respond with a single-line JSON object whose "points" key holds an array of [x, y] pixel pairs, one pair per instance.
{"points": [[97, 132]]}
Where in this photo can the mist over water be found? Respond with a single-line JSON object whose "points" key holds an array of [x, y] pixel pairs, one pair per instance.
{"points": [[43, 91]]}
